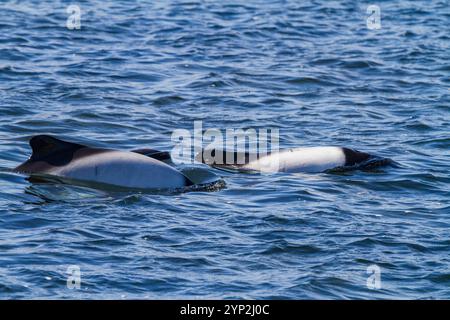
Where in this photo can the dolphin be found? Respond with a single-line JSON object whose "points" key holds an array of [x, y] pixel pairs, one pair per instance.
{"points": [[140, 169], [305, 159]]}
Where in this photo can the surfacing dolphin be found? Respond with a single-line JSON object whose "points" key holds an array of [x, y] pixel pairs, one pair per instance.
{"points": [[307, 159], [140, 169]]}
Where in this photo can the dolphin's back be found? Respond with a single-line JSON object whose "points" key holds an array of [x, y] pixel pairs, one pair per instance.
{"points": [[59, 158], [125, 169], [307, 159]]}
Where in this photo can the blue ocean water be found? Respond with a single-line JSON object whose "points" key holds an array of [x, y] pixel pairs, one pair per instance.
{"points": [[138, 70]]}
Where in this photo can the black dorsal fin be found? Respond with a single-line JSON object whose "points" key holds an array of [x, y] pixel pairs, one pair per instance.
{"points": [[353, 157], [44, 146]]}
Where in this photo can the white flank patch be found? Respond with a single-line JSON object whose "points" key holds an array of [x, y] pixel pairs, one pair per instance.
{"points": [[314, 159], [125, 169]]}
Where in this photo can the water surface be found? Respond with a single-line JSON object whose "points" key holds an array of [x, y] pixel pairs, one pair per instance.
{"points": [[137, 70]]}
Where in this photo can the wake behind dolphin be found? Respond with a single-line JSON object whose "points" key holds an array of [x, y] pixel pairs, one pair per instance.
{"points": [[140, 169]]}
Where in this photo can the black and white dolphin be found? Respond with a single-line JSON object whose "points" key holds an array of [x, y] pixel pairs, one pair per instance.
{"points": [[142, 169], [307, 159]]}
